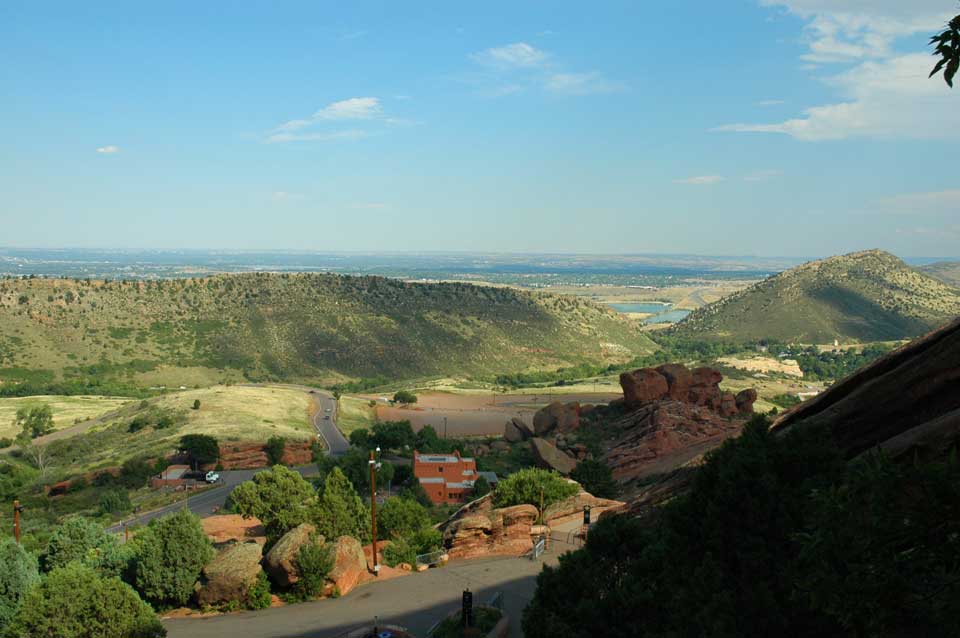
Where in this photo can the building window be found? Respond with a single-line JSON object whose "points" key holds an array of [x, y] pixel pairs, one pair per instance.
{"points": [[440, 469]]}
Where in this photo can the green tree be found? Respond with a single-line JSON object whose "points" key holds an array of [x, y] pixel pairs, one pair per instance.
{"points": [[314, 562], [527, 486], [596, 478], [114, 501], [393, 435], [18, 576], [35, 421], [481, 487], [279, 497], [196, 404], [275, 447], [83, 540], [202, 448], [414, 491], [168, 556], [339, 511], [360, 438], [948, 48], [75, 602], [401, 517], [405, 397], [135, 473], [427, 440]]}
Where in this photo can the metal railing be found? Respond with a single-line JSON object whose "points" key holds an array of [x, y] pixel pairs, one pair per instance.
{"points": [[538, 548], [430, 558]]}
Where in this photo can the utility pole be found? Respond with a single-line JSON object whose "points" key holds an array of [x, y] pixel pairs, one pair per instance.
{"points": [[17, 508], [373, 509], [444, 427]]}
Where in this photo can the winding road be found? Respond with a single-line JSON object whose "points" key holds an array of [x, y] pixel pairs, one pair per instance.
{"points": [[208, 501]]}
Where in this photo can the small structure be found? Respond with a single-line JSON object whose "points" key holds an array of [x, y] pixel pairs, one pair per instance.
{"points": [[446, 478], [173, 476]]}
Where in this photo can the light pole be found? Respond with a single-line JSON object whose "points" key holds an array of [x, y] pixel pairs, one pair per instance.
{"points": [[374, 466]]}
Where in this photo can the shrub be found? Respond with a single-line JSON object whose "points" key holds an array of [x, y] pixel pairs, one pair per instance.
{"points": [[80, 539], [168, 556], [596, 478], [314, 562], [339, 511], [393, 435], [5, 442], [74, 602], [114, 501], [275, 447], [481, 487], [196, 404], [35, 421], [360, 438], [18, 575], [527, 486], [202, 448], [134, 473], [401, 517], [279, 497], [400, 550], [405, 397], [258, 596]]}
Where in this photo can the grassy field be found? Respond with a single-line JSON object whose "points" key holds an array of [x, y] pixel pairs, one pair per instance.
{"points": [[355, 413], [67, 411]]}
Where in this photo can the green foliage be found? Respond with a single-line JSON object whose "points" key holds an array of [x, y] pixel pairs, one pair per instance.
{"points": [[275, 447], [115, 501], [360, 438], [527, 485], [401, 517], [339, 511], [777, 536], [400, 550], [404, 397], [484, 620], [948, 48], [82, 540], [35, 421], [196, 404], [168, 556], [413, 490], [596, 478], [392, 435], [258, 596], [355, 466], [202, 448], [427, 440], [135, 473], [314, 562], [75, 602], [18, 575], [279, 497], [481, 487]]}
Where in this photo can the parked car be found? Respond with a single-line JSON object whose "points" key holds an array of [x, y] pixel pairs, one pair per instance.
{"points": [[212, 477], [326, 417]]}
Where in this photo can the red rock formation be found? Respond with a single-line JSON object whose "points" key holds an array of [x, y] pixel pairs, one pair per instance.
{"points": [[349, 565], [745, 400], [560, 417], [549, 457], [643, 385], [248, 456]]}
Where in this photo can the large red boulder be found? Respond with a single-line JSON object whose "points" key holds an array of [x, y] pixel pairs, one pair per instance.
{"points": [[280, 562], [549, 456], [560, 417], [642, 386], [349, 565], [745, 400], [679, 380]]}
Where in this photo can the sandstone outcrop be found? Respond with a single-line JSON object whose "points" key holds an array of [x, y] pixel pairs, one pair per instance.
{"points": [[229, 576], [484, 530], [515, 430], [557, 417], [350, 564], [280, 561], [700, 386], [574, 505], [246, 456], [745, 400], [548, 456]]}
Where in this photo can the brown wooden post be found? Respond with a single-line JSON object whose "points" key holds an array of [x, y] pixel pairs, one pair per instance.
{"points": [[373, 511]]}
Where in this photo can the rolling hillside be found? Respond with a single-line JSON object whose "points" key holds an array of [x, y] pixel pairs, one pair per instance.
{"points": [[864, 296], [294, 327], [946, 271]]}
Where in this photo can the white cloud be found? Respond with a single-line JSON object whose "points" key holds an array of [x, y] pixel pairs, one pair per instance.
{"points": [[699, 180], [108, 150], [580, 83], [890, 99], [855, 30], [516, 55], [349, 134], [929, 203], [762, 175], [355, 108]]}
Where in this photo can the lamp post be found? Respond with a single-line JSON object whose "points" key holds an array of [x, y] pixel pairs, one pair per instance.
{"points": [[374, 466]]}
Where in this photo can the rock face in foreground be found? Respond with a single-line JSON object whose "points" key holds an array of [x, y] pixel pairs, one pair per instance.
{"points": [[549, 457], [230, 574], [350, 563], [907, 402], [280, 561]]}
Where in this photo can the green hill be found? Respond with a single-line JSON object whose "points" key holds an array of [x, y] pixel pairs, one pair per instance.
{"points": [[946, 271], [294, 327], [864, 296]]}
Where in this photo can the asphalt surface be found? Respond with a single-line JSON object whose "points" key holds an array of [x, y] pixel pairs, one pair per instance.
{"points": [[208, 501]]}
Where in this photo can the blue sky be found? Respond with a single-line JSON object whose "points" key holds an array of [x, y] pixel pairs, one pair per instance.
{"points": [[769, 127]]}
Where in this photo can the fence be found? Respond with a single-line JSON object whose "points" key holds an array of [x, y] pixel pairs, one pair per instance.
{"points": [[432, 558], [538, 548]]}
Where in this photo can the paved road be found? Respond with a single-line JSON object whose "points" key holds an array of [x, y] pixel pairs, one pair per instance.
{"points": [[337, 444], [416, 601]]}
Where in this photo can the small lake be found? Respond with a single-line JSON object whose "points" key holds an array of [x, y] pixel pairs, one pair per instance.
{"points": [[660, 312]]}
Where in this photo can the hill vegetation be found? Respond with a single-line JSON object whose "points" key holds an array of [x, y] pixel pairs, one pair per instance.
{"points": [[862, 297], [946, 271], [291, 327]]}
